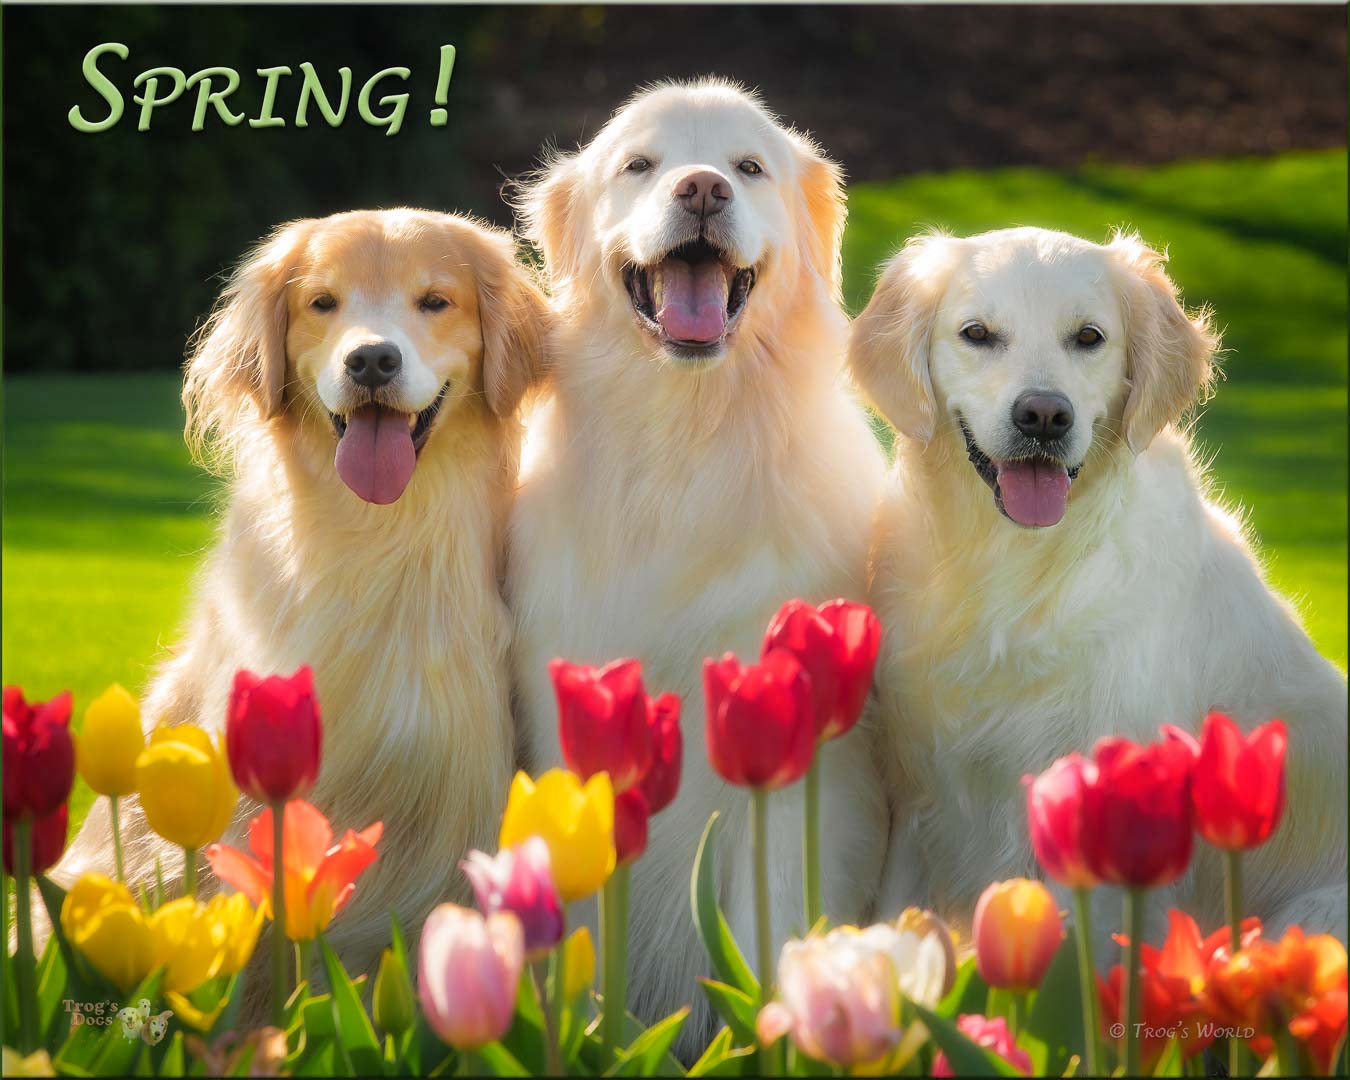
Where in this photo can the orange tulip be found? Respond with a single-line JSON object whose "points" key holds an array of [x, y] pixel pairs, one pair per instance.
{"points": [[320, 876], [1017, 930], [1297, 983]]}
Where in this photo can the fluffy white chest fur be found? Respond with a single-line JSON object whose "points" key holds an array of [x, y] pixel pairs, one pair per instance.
{"points": [[1007, 648]]}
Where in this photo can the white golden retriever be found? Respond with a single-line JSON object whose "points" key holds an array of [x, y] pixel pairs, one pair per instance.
{"points": [[1049, 569], [701, 462], [360, 378]]}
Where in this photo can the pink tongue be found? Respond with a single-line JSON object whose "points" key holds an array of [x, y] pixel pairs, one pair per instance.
{"points": [[375, 456], [1034, 492], [693, 300]]}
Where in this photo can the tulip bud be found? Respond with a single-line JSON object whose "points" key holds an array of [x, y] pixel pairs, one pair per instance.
{"points": [[575, 821], [468, 974], [395, 1009], [1055, 820], [520, 880], [662, 781], [274, 735], [761, 728], [1237, 783], [39, 754], [578, 963], [1140, 791], [630, 826], [837, 646], [1017, 931], [185, 786], [110, 742], [47, 840]]}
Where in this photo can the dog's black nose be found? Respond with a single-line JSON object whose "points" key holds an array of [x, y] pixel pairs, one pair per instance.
{"points": [[704, 192], [375, 364], [1042, 415]]}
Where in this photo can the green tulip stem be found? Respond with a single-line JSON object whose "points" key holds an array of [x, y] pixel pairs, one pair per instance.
{"points": [[190, 872], [759, 843], [25, 967], [116, 816], [1017, 1008], [1134, 927], [304, 950], [811, 842], [1287, 1061], [1232, 874], [280, 982], [555, 986], [614, 947], [1087, 980]]}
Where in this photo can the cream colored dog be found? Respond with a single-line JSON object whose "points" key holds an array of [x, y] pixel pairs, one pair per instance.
{"points": [[700, 463], [1049, 570], [360, 377]]}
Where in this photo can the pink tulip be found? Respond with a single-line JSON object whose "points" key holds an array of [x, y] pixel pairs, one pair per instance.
{"points": [[468, 974], [520, 880], [994, 1036]]}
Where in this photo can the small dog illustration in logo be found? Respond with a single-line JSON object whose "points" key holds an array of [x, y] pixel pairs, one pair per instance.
{"points": [[155, 1028], [133, 1018]]}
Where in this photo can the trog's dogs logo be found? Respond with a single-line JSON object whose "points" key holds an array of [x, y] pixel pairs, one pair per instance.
{"points": [[138, 1021]]}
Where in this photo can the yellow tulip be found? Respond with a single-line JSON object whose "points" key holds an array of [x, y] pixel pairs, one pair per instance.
{"points": [[242, 923], [100, 918], [189, 944], [185, 786], [578, 963], [110, 742], [575, 821], [38, 1063]]}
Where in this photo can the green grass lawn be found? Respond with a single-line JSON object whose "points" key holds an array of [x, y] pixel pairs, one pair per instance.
{"points": [[105, 518]]}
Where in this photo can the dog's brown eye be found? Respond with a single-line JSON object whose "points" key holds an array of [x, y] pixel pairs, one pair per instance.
{"points": [[638, 164], [323, 302], [1090, 336], [750, 167], [976, 332], [432, 302]]}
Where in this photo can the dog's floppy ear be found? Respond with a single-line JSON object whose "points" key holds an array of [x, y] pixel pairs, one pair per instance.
{"points": [[546, 207], [825, 210], [889, 342], [514, 316], [236, 371], [1169, 354]]}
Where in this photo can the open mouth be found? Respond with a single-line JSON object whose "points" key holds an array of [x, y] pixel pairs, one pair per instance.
{"points": [[692, 299], [1032, 490], [378, 446]]}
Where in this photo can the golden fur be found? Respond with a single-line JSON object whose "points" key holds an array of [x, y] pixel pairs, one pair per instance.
{"points": [[396, 607]]}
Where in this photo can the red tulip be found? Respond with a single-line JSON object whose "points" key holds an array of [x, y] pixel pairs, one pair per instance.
{"points": [[837, 645], [1055, 819], [604, 720], [39, 754], [630, 825], [1137, 816], [48, 839], [1237, 785], [273, 735], [761, 727], [663, 775]]}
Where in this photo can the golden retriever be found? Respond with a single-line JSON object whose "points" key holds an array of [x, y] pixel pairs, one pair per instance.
{"points": [[1049, 569], [700, 462], [360, 379]]}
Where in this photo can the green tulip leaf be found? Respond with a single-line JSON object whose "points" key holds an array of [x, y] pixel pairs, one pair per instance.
{"points": [[727, 959], [644, 1056], [723, 1058], [174, 1062], [355, 1035], [1056, 1015], [525, 1040], [965, 1057], [51, 987], [738, 1010], [1171, 1063], [500, 1060]]}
